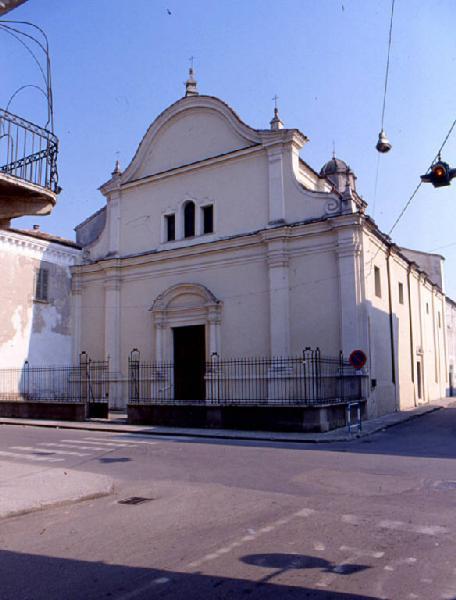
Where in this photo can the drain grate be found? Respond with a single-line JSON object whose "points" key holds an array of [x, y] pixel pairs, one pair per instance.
{"points": [[134, 500]]}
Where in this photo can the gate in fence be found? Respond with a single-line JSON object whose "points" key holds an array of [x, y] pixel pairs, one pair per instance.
{"points": [[95, 391]]}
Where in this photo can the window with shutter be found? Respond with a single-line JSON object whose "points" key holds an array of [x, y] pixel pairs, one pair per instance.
{"points": [[42, 284]]}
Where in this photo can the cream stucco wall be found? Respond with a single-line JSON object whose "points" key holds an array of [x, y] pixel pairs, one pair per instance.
{"points": [[414, 334], [290, 262]]}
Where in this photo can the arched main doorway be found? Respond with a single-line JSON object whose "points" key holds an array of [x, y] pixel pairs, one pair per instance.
{"points": [[187, 321]]}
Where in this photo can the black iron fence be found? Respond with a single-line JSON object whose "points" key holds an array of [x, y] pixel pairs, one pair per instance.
{"points": [[310, 379], [28, 152], [87, 382]]}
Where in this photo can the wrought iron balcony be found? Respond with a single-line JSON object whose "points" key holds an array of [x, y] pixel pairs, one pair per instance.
{"points": [[28, 167], [28, 152]]}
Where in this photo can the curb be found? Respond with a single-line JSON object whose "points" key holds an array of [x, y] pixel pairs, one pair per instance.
{"points": [[227, 434], [105, 490], [55, 504]]}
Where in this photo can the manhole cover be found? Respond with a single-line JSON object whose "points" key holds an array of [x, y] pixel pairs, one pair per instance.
{"points": [[135, 500]]}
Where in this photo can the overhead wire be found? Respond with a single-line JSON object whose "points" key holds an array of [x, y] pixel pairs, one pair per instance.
{"points": [[409, 201], [390, 37]]}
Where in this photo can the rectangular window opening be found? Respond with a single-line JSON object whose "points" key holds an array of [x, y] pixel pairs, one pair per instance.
{"points": [[42, 284], [170, 221], [401, 293], [378, 283], [208, 219]]}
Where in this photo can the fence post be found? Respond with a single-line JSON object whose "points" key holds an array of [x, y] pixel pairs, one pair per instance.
{"points": [[84, 380], [27, 380], [133, 375], [317, 356], [341, 375]]}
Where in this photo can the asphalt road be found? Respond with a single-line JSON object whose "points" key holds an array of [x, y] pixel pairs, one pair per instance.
{"points": [[369, 519]]}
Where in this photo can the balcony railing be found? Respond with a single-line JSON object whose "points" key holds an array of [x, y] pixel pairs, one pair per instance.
{"points": [[28, 152]]}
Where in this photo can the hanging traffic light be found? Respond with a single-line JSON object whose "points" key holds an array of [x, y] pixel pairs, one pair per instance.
{"points": [[439, 174]]}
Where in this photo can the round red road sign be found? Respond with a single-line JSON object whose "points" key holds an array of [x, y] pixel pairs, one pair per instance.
{"points": [[357, 359]]}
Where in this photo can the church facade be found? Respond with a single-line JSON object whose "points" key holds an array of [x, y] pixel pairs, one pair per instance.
{"points": [[219, 240]]}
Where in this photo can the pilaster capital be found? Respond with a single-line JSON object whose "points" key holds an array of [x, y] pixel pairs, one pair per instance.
{"points": [[214, 314], [277, 259], [348, 250], [112, 281], [76, 284]]}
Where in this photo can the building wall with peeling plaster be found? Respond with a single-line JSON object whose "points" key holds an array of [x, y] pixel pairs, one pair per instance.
{"points": [[33, 330]]}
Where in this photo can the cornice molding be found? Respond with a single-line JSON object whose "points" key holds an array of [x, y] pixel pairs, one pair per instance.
{"points": [[23, 245]]}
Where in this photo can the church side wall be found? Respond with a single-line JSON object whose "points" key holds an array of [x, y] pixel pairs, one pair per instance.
{"points": [[383, 391], [415, 349], [450, 321]]}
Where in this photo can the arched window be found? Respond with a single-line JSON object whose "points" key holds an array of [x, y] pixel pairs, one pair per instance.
{"points": [[189, 220]]}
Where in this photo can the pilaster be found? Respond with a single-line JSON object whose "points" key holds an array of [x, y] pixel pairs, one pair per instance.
{"points": [[76, 300], [352, 332], [114, 222], [112, 334], [276, 184], [279, 296]]}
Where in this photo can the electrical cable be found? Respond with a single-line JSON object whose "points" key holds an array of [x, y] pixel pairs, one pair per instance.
{"points": [[388, 61], [409, 201]]}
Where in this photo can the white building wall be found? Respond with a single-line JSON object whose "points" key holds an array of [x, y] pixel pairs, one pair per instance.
{"points": [[409, 345], [450, 322], [32, 330]]}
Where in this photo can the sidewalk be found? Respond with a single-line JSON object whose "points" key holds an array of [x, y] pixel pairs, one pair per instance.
{"points": [[117, 424], [27, 488]]}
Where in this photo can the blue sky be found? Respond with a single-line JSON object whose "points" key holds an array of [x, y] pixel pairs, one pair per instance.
{"points": [[117, 65]]}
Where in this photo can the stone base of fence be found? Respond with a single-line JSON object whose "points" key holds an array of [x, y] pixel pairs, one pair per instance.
{"points": [[55, 411], [242, 417]]}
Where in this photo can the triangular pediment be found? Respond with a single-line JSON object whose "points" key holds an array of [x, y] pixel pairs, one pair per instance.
{"points": [[191, 130]]}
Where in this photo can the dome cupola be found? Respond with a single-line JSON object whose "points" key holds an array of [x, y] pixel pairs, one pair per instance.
{"points": [[339, 174]]}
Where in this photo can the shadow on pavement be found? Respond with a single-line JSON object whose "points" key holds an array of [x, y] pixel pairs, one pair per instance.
{"points": [[31, 576]]}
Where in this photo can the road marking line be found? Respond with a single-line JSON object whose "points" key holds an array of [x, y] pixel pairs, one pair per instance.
{"points": [[55, 444], [320, 547], [266, 529], [124, 441], [139, 591], [401, 526], [111, 441], [371, 553], [303, 512], [30, 456], [43, 450], [106, 445], [352, 519], [338, 569]]}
